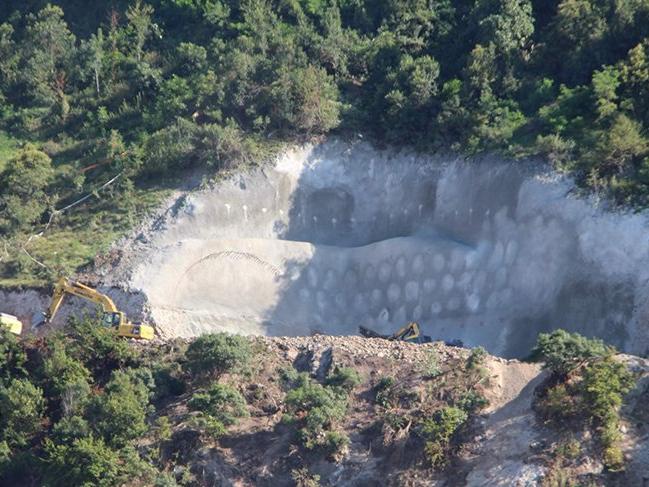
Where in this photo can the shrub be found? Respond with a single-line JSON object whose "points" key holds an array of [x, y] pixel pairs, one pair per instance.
{"points": [[476, 358], [559, 404], [562, 352], [90, 462], [99, 348], [315, 409], [604, 384], [335, 442], [431, 368], [289, 377], [21, 411], [209, 425], [303, 478], [438, 432], [444, 423], [384, 390], [168, 381], [62, 370], [472, 401], [119, 414], [221, 402], [345, 377], [12, 357], [613, 458], [215, 354]]}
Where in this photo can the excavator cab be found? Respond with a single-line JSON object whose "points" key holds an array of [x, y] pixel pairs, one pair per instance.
{"points": [[112, 319]]}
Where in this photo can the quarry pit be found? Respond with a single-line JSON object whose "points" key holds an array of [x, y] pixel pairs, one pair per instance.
{"points": [[340, 234]]}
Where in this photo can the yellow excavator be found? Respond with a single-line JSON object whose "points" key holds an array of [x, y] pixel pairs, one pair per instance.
{"points": [[409, 333], [111, 318], [11, 323]]}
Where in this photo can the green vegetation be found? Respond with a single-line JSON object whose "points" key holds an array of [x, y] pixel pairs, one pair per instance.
{"points": [[585, 390], [438, 431], [150, 89], [316, 410], [221, 402], [83, 407], [217, 353]]}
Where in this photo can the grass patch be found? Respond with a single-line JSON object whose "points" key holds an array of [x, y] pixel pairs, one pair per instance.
{"points": [[75, 240]]}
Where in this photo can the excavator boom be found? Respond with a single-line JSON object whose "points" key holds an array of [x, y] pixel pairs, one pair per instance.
{"points": [[67, 286], [112, 317]]}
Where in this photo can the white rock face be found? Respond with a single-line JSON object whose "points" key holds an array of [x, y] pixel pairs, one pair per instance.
{"points": [[338, 235]]}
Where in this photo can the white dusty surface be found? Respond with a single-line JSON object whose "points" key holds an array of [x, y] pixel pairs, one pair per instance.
{"points": [[338, 235]]}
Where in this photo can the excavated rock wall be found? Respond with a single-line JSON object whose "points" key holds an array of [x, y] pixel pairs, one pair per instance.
{"points": [[341, 234]]}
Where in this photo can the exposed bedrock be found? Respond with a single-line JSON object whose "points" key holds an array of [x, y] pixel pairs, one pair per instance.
{"points": [[338, 235]]}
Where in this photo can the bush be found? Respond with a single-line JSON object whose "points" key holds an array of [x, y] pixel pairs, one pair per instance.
{"points": [[472, 401], [613, 458], [90, 462], [562, 352], [335, 443], [209, 425], [23, 199], [21, 411], [315, 409], [476, 358], [303, 478], [604, 385], [431, 368], [12, 357], [99, 348], [345, 377], [438, 432], [119, 414], [168, 381], [61, 370], [385, 393], [221, 402], [215, 354], [559, 404]]}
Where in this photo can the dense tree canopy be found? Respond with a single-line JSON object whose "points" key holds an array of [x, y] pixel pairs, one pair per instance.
{"points": [[153, 87]]}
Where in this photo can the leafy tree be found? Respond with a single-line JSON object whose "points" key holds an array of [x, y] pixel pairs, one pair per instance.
{"points": [[217, 353], [12, 357], [620, 145], [119, 414], [21, 411], [90, 462], [23, 199], [562, 352], [49, 66], [62, 370], [140, 27]]}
